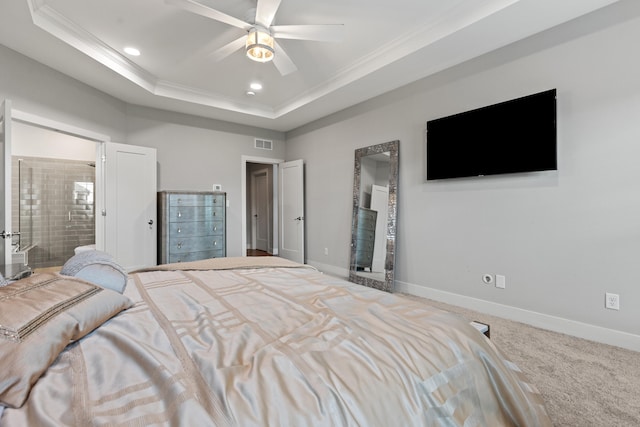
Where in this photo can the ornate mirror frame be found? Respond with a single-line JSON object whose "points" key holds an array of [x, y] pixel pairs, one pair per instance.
{"points": [[356, 273]]}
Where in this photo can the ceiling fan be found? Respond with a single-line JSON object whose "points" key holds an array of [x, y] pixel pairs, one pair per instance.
{"points": [[260, 41]]}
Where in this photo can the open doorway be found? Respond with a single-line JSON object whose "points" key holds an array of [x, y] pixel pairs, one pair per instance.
{"points": [[259, 189], [287, 206], [259, 207], [53, 195]]}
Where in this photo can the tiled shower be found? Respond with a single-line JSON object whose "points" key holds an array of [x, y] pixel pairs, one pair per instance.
{"points": [[53, 208]]}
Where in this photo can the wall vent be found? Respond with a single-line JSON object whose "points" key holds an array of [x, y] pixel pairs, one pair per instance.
{"points": [[264, 144]]}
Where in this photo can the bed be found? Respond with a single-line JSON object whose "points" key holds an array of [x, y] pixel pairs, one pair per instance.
{"points": [[246, 342]]}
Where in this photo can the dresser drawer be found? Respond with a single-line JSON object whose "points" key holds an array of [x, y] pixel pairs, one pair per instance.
{"points": [[180, 245], [196, 228], [195, 256], [194, 213], [367, 219], [191, 225], [196, 199], [364, 258], [364, 245], [365, 235]]}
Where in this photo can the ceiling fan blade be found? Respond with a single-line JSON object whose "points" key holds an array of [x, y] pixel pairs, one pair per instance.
{"points": [[281, 60], [266, 11], [322, 33], [202, 10], [228, 49]]}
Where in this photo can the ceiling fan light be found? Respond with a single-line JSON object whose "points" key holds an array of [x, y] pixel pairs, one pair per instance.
{"points": [[259, 45]]}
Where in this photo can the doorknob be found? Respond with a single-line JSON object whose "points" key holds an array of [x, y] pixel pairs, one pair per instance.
{"points": [[150, 222], [5, 234], [300, 218]]}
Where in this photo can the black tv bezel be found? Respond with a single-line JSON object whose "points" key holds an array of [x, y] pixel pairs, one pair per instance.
{"points": [[551, 162]]}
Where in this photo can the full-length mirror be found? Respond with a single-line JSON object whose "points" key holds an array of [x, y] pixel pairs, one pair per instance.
{"points": [[373, 227]]}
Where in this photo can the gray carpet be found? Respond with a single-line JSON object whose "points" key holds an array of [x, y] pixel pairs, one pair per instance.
{"points": [[584, 383]]}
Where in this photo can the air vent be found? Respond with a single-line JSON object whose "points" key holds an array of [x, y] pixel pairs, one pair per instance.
{"points": [[264, 144]]}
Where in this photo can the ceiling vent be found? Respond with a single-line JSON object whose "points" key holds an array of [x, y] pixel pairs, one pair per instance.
{"points": [[264, 144]]}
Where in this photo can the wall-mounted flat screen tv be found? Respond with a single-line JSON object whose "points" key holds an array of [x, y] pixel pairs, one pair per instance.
{"points": [[510, 137]]}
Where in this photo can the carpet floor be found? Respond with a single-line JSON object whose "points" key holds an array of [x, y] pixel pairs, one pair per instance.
{"points": [[583, 383]]}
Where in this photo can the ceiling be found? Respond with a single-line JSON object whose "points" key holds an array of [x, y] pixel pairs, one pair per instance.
{"points": [[386, 44]]}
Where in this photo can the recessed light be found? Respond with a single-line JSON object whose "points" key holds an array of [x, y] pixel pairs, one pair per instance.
{"points": [[132, 51], [255, 86], [250, 93]]}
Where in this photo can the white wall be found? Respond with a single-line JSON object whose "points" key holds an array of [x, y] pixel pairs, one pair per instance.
{"points": [[562, 239], [33, 141]]}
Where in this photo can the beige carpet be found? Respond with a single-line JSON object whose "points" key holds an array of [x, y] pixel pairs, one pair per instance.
{"points": [[583, 383]]}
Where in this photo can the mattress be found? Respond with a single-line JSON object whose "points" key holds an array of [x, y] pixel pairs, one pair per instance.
{"points": [[267, 342]]}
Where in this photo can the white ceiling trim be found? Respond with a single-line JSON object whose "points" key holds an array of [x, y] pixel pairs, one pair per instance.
{"points": [[180, 92], [411, 42], [56, 24], [459, 31]]}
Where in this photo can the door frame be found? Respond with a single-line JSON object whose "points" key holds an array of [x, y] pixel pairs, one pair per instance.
{"points": [[254, 205], [98, 138], [243, 196], [6, 242]]}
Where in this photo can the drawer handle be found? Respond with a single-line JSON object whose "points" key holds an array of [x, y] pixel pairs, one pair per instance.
{"points": [[179, 214], [215, 228], [179, 230], [179, 201], [179, 245], [215, 243]]}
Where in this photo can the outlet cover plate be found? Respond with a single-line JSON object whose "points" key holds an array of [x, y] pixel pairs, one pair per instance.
{"points": [[612, 301]]}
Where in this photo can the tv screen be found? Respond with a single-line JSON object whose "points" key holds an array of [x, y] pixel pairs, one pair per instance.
{"points": [[510, 137]]}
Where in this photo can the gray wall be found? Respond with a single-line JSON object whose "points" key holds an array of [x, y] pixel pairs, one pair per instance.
{"points": [[193, 153], [37, 89], [562, 239]]}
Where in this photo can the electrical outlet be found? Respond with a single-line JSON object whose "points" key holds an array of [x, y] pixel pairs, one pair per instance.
{"points": [[326, 251], [612, 301], [487, 278]]}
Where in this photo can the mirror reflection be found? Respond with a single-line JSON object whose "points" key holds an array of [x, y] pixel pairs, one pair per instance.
{"points": [[374, 216]]}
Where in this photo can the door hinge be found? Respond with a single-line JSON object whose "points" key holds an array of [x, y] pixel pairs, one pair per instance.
{"points": [[103, 158], [104, 212]]}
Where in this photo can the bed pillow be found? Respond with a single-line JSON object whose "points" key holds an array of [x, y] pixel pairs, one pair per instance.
{"points": [[39, 317], [96, 267]]}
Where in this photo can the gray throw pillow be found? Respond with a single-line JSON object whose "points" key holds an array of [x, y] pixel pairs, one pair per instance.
{"points": [[98, 268]]}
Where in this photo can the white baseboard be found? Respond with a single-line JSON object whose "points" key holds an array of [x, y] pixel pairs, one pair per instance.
{"points": [[540, 320]]}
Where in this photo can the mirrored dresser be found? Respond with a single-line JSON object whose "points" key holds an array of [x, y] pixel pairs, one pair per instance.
{"points": [[365, 238], [191, 225]]}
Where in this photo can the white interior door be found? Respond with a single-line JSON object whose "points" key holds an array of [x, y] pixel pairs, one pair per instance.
{"points": [[130, 205], [380, 203], [261, 211], [5, 182], [292, 210]]}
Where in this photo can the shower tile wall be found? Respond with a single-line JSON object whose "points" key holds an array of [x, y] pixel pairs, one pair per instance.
{"points": [[53, 208]]}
